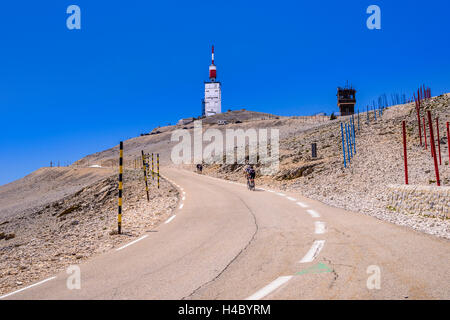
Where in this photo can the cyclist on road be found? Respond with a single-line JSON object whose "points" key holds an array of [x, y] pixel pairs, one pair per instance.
{"points": [[250, 173]]}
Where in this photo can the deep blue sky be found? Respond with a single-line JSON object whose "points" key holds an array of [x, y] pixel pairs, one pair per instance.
{"points": [[138, 64]]}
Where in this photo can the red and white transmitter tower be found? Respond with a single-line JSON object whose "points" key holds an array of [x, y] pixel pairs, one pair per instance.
{"points": [[213, 95]]}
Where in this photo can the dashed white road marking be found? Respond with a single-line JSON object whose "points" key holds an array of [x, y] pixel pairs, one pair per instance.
{"points": [[132, 242], [301, 204], [269, 288], [184, 198], [313, 251], [281, 194], [292, 199], [181, 206], [25, 288], [319, 227], [171, 218], [313, 213]]}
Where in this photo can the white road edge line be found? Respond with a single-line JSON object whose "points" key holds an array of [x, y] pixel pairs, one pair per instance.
{"points": [[184, 198], [301, 204], [132, 242], [269, 288], [171, 218], [181, 206], [31, 286], [313, 251], [313, 213], [319, 227], [292, 199], [281, 194]]}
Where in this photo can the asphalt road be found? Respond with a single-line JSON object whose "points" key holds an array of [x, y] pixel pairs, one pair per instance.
{"points": [[226, 242]]}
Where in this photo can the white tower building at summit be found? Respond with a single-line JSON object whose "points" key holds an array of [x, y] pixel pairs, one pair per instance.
{"points": [[213, 94]]}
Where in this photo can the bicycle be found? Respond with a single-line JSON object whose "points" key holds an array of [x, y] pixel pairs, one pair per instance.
{"points": [[250, 183]]}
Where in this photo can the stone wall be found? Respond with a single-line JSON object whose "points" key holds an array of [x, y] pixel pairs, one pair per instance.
{"points": [[430, 201]]}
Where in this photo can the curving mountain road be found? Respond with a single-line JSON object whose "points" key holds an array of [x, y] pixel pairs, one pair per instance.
{"points": [[225, 242]]}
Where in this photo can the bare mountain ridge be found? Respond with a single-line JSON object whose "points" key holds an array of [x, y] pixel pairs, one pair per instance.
{"points": [[46, 185], [161, 142]]}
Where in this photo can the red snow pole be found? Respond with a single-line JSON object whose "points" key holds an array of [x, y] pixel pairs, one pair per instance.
{"points": [[425, 132], [404, 151], [433, 149], [439, 141], [418, 122], [448, 144]]}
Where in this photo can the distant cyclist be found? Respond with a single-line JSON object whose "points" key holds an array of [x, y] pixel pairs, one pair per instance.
{"points": [[250, 174]]}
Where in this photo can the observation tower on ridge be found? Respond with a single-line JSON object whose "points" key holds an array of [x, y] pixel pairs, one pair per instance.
{"points": [[212, 104]]}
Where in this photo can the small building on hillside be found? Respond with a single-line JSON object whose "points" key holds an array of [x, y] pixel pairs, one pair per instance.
{"points": [[346, 100]]}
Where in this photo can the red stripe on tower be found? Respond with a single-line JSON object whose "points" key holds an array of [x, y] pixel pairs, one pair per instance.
{"points": [[212, 68]]}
